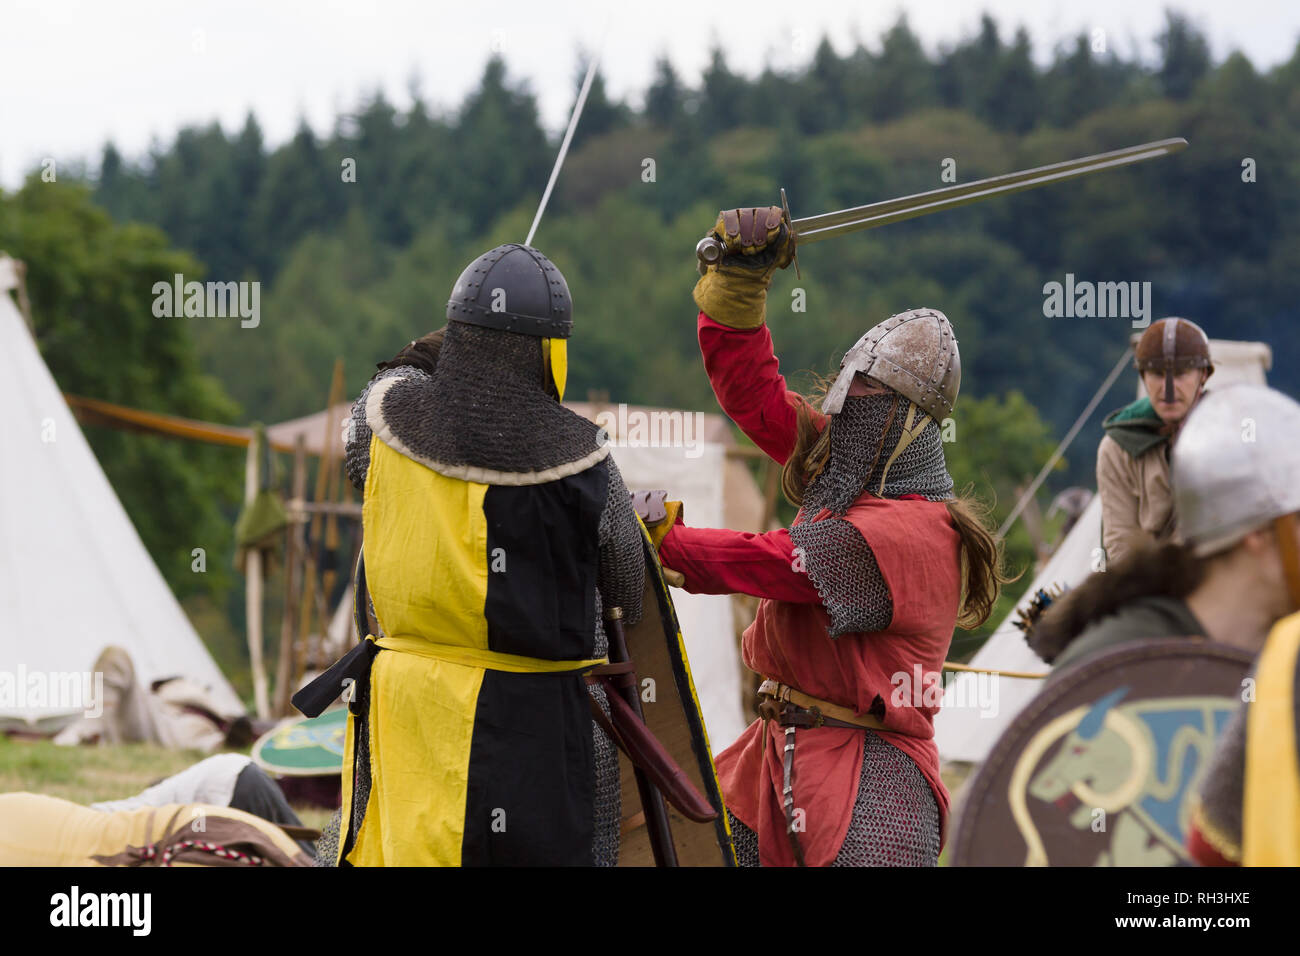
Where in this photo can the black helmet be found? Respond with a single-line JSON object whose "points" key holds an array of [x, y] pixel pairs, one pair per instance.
{"points": [[513, 288]]}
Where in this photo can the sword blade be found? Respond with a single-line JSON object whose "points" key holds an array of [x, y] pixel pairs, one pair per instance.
{"points": [[568, 137], [832, 224]]}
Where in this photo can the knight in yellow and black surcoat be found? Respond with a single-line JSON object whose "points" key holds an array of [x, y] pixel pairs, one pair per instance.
{"points": [[496, 530]]}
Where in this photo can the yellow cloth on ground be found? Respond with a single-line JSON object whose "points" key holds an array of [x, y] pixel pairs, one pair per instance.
{"points": [[39, 830]]}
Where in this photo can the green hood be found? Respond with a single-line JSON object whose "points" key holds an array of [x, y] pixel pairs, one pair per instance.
{"points": [[1136, 428]]}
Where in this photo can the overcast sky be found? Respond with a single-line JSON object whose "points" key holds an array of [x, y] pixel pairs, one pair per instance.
{"points": [[75, 73]]}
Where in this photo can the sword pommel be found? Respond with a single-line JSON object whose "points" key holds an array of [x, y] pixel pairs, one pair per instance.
{"points": [[709, 251]]}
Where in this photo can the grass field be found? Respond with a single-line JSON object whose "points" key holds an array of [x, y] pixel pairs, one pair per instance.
{"points": [[87, 774]]}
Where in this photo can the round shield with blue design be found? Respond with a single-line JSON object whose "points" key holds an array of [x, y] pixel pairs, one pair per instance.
{"points": [[1101, 768]]}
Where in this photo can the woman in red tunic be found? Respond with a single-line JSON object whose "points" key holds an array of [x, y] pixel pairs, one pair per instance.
{"points": [[860, 595]]}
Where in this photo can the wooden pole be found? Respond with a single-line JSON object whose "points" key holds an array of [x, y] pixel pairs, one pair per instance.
{"points": [[253, 593], [305, 509], [292, 583], [323, 468], [331, 461]]}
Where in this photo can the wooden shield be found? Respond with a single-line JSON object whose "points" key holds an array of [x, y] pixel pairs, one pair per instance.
{"points": [[672, 712], [1100, 769]]}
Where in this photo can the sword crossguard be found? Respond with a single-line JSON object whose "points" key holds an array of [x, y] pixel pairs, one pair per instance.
{"points": [[794, 236]]}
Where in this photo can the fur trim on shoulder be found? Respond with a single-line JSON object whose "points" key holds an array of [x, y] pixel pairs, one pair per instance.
{"points": [[1170, 570]]}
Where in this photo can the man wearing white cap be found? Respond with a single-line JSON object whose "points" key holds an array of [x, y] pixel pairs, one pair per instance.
{"points": [[1237, 474]]}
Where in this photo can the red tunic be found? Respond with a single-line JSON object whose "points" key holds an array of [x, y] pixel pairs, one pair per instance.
{"points": [[917, 549]]}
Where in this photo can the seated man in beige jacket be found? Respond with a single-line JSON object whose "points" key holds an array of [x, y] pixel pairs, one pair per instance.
{"points": [[1137, 507]]}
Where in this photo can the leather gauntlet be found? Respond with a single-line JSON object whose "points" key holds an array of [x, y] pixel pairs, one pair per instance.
{"points": [[757, 243]]}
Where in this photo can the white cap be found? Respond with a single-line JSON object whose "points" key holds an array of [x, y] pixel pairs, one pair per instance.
{"points": [[1236, 465]]}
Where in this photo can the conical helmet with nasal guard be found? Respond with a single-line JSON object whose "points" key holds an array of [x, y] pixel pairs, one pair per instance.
{"points": [[914, 353]]}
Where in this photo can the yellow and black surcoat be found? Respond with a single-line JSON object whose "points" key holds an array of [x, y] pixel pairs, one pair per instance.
{"points": [[1271, 815], [1248, 809], [476, 715]]}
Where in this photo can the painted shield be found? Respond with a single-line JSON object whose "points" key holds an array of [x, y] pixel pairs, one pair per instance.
{"points": [[672, 712], [307, 747], [1101, 767]]}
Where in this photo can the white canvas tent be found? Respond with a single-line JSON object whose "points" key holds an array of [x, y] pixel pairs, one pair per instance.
{"points": [[685, 453], [74, 575], [706, 619], [967, 728]]}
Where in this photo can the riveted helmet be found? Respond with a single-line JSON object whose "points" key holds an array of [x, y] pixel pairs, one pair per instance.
{"points": [[513, 288], [914, 353], [1172, 346]]}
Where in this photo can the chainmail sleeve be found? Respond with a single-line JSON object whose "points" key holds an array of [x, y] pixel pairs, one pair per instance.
{"points": [[841, 565], [621, 575], [356, 431]]}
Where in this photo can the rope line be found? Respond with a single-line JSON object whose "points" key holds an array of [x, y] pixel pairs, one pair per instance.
{"points": [[1065, 443]]}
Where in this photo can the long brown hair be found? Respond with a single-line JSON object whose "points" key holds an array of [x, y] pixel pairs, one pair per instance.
{"points": [[422, 353], [812, 447], [983, 571]]}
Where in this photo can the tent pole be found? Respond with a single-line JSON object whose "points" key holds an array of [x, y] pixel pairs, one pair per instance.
{"points": [[1065, 443], [253, 594]]}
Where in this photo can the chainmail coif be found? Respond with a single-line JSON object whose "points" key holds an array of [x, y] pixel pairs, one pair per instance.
{"points": [[486, 407], [863, 436], [838, 561]]}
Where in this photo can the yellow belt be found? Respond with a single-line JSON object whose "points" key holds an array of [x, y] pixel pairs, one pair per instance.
{"points": [[479, 657]]}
